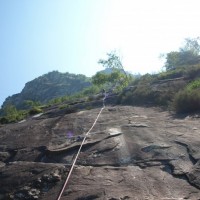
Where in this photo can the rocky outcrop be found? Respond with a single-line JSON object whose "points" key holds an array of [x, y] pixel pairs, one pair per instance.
{"points": [[49, 86], [132, 153]]}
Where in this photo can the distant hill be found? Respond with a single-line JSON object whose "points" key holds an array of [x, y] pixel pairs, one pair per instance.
{"points": [[48, 86]]}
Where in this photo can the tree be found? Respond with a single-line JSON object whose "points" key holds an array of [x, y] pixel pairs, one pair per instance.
{"points": [[172, 60], [192, 45], [115, 80], [113, 62], [99, 78], [187, 55]]}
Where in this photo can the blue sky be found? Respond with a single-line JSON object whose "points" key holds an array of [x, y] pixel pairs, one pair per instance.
{"points": [[38, 36]]}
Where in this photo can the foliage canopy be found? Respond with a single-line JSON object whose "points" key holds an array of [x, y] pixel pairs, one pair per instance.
{"points": [[113, 61], [187, 55]]}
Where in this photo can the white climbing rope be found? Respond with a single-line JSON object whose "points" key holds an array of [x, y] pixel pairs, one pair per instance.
{"points": [[77, 155]]}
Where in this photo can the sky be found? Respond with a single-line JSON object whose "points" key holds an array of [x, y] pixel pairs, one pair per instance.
{"points": [[39, 36]]}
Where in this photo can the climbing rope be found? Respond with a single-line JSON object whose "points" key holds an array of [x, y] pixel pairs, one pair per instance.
{"points": [[77, 155]]}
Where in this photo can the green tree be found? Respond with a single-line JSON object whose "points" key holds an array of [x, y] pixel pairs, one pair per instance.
{"points": [[172, 60], [116, 80], [113, 62], [187, 55], [192, 45], [99, 78]]}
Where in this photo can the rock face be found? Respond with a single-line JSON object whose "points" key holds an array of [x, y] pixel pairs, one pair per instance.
{"points": [[51, 85], [132, 153]]}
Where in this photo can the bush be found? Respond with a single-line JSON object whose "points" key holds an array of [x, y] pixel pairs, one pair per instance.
{"points": [[20, 115], [11, 114], [91, 90], [35, 110], [141, 95], [192, 72], [194, 85], [176, 73], [187, 101], [4, 120]]}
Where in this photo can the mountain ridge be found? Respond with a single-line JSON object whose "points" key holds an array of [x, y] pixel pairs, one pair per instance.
{"points": [[48, 86]]}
